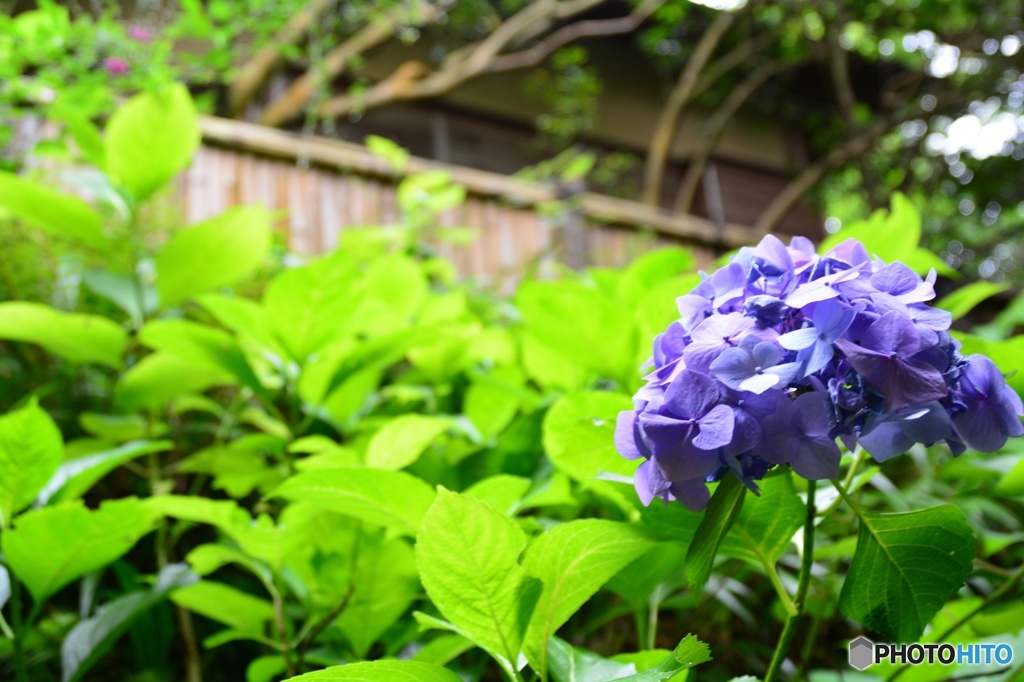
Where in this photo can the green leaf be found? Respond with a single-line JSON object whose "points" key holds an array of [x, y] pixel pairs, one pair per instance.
{"points": [[403, 439], [52, 546], [388, 498], [91, 638], [213, 349], [1012, 484], [443, 649], [652, 268], [87, 138], [31, 450], [386, 585], [966, 298], [56, 213], [718, 518], [573, 561], [891, 235], [492, 400], [162, 377], [122, 291], [72, 336], [504, 492], [467, 554], [151, 138], [226, 605], [376, 671], [767, 523], [689, 653], [579, 434], [569, 664], [906, 567], [213, 254], [308, 307], [76, 476]]}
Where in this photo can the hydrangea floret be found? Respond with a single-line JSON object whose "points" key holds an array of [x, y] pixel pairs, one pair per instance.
{"points": [[782, 351]]}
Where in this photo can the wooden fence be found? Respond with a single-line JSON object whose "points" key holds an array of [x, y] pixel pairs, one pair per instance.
{"points": [[324, 187]]}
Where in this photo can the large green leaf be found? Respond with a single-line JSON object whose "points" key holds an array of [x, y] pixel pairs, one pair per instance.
{"points": [[91, 638], [718, 518], [151, 138], [50, 547], [58, 214], [385, 585], [388, 498], [579, 434], [225, 604], [161, 377], [213, 253], [767, 523], [569, 664], [308, 307], [963, 300], [401, 441], [76, 476], [573, 561], [31, 450], [467, 554], [906, 567], [208, 347], [73, 336], [892, 235], [378, 671]]}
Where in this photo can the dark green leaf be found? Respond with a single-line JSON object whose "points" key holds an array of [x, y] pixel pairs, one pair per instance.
{"points": [[718, 518]]}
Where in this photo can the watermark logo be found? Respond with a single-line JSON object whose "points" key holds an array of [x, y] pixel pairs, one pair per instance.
{"points": [[864, 653]]}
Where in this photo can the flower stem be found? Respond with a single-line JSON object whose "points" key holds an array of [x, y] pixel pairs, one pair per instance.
{"points": [[21, 669], [786, 639]]}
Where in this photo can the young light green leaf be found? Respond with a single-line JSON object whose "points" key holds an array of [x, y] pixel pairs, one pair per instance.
{"points": [[212, 254], [52, 546], [73, 336], [573, 561], [579, 434], [151, 138], [443, 649], [58, 214], [965, 299], [377, 671], [76, 476], [467, 554], [402, 440], [122, 291], [906, 567], [388, 498], [226, 605], [91, 638], [31, 450], [718, 518], [689, 653], [569, 664], [767, 523], [503, 492]]}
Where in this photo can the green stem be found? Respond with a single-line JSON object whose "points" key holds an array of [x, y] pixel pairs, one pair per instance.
{"points": [[5, 628], [786, 639], [20, 667], [1001, 592], [780, 589], [858, 459], [652, 624]]}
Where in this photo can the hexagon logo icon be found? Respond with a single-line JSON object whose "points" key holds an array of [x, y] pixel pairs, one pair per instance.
{"points": [[862, 653]]}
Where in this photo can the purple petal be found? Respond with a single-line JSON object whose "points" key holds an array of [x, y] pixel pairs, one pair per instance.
{"points": [[649, 482], [733, 367], [692, 395], [693, 494], [625, 435], [715, 428], [759, 383], [816, 458], [799, 339], [832, 319], [818, 357], [892, 333]]}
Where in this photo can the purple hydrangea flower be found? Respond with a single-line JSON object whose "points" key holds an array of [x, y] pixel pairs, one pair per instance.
{"points": [[782, 351]]}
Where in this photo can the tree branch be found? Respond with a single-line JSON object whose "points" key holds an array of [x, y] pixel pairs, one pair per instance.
{"points": [[255, 72], [413, 81], [289, 106], [665, 128], [567, 34], [716, 126]]}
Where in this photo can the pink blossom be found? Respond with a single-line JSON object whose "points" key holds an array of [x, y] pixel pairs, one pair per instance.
{"points": [[116, 66]]}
